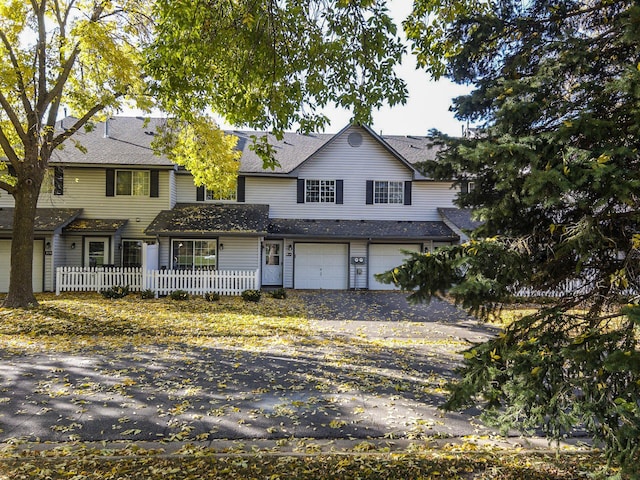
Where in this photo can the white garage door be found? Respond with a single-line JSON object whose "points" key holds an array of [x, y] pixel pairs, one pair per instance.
{"points": [[5, 265], [384, 257], [321, 265]]}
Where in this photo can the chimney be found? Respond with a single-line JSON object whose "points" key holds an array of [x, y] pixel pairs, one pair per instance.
{"points": [[106, 128]]}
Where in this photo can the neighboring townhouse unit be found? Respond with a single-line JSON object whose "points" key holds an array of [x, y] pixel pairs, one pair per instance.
{"points": [[339, 209]]}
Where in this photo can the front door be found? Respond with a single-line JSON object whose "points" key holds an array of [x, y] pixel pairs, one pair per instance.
{"points": [[272, 262], [96, 251]]}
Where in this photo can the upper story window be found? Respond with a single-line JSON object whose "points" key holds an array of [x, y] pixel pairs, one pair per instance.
{"points": [[388, 192], [212, 195], [320, 191], [47, 181], [133, 182]]}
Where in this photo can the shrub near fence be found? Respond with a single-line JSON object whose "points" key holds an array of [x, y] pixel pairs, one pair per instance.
{"points": [[162, 282]]}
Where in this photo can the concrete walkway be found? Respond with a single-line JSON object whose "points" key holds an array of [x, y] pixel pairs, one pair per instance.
{"points": [[371, 366]]}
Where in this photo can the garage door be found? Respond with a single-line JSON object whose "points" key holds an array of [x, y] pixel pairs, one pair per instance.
{"points": [[5, 264], [384, 257], [321, 265]]}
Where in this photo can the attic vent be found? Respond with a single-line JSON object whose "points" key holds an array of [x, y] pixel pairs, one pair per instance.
{"points": [[355, 139]]}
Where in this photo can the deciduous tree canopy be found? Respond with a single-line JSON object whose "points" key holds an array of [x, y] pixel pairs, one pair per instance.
{"points": [[266, 64], [556, 172]]}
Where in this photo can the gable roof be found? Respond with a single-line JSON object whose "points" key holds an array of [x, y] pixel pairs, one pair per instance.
{"points": [[128, 143]]}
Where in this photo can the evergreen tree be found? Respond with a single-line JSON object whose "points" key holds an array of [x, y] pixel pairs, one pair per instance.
{"points": [[556, 171]]}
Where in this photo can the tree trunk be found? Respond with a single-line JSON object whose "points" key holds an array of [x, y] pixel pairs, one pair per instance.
{"points": [[20, 281]]}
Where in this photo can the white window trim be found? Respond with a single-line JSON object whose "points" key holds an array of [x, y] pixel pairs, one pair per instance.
{"points": [[377, 201], [207, 192], [321, 183], [180, 240], [147, 187]]}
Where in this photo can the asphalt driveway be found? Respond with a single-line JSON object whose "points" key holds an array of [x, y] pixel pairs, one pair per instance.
{"points": [[371, 366]]}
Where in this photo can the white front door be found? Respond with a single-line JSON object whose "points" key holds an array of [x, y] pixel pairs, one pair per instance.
{"points": [[96, 251], [272, 262]]}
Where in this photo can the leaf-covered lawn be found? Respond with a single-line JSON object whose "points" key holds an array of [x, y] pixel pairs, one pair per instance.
{"points": [[71, 322], [80, 368], [196, 464]]}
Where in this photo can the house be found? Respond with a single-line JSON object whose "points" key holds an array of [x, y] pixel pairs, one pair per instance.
{"points": [[337, 210]]}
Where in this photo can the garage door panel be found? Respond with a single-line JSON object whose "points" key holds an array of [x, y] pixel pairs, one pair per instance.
{"points": [[321, 266], [5, 265], [384, 257]]}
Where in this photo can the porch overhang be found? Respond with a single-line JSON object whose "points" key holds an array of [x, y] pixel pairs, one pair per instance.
{"points": [[211, 219], [47, 220], [373, 230], [94, 225]]}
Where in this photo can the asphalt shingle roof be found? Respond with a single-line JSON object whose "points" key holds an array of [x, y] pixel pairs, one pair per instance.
{"points": [[103, 225], [47, 219], [196, 219], [460, 217], [378, 229], [129, 143]]}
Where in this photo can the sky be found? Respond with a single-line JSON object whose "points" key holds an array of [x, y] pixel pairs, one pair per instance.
{"points": [[427, 106]]}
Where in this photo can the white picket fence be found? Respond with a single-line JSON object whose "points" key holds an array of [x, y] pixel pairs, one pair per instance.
{"points": [[161, 282], [95, 279], [199, 282]]}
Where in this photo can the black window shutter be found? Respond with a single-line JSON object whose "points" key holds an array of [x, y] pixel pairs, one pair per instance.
{"points": [[369, 192], [241, 186], [200, 193], [407, 192], [111, 182], [464, 187], [301, 190], [58, 181], [339, 192], [154, 188]]}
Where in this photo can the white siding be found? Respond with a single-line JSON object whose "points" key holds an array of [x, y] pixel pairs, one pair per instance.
{"points": [[358, 273], [86, 188], [353, 165], [173, 189], [288, 264], [186, 190], [164, 257], [238, 253], [73, 256]]}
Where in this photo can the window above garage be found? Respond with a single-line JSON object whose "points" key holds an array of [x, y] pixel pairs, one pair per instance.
{"points": [[320, 191]]}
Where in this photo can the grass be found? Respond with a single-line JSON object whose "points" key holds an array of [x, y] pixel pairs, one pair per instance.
{"points": [[357, 364], [193, 463], [69, 322]]}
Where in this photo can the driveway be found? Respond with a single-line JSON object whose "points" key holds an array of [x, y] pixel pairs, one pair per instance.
{"points": [[370, 366]]}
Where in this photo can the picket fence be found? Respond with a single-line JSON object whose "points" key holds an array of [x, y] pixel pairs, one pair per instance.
{"points": [[161, 282]]}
